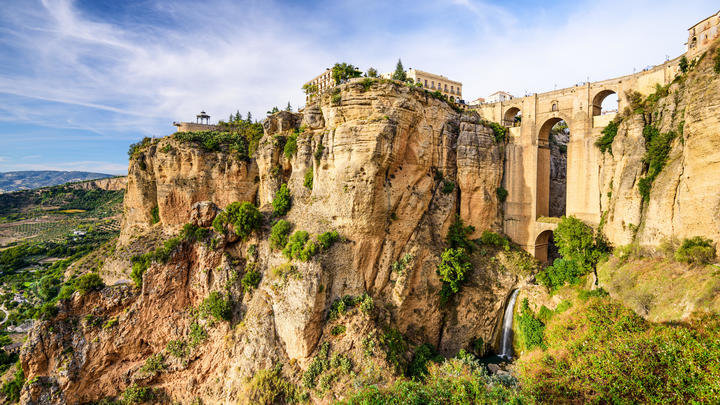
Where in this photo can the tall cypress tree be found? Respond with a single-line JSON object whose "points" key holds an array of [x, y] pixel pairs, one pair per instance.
{"points": [[399, 73]]}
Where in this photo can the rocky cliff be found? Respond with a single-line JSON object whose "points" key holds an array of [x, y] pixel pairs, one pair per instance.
{"points": [[391, 168], [684, 200]]}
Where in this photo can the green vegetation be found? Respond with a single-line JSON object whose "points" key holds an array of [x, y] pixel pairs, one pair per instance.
{"points": [[217, 306], [251, 279], [657, 151], [135, 394], [290, 148], [696, 250], [499, 131], [342, 72], [600, 352], [327, 239], [581, 249], [608, 135], [501, 194], [367, 84], [457, 236], [140, 263], [423, 354], [282, 201], [88, 283], [337, 330], [399, 73], [393, 342], [154, 364], [197, 335], [716, 60], [240, 138], [177, 348], [279, 234], [11, 388], [268, 386], [531, 327], [155, 215], [136, 148], [400, 265], [684, 64], [319, 152], [244, 217], [448, 187], [308, 182], [454, 265], [310, 89], [461, 380], [319, 364], [490, 238]]}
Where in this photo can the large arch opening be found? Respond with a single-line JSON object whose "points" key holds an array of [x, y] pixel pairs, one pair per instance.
{"points": [[551, 188], [603, 103], [545, 250], [512, 117]]}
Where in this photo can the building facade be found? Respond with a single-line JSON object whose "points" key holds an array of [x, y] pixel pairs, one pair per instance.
{"points": [[432, 82], [702, 34], [499, 96], [322, 81]]}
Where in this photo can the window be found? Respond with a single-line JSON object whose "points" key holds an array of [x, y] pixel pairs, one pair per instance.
{"points": [[432, 84], [425, 82]]}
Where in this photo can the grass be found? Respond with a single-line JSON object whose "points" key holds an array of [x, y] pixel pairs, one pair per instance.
{"points": [[677, 288], [601, 352]]}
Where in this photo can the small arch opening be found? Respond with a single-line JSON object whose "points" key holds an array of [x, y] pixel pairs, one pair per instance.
{"points": [[512, 117], [603, 103]]}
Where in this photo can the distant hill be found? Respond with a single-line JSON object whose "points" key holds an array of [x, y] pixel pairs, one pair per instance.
{"points": [[26, 180]]}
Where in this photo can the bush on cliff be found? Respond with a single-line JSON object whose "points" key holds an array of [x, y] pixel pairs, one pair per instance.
{"points": [[454, 265], [308, 181], [457, 236], [291, 148], [657, 151], [217, 306], [697, 250], [716, 60], [279, 234], [282, 201], [88, 283], [604, 143], [11, 388], [244, 217], [530, 326]]}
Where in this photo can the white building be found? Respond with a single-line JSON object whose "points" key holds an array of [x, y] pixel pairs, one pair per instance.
{"points": [[499, 96]]}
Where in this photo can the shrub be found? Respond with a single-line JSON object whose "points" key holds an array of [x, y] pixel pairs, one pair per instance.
{"points": [[562, 271], [89, 282], [423, 354], [454, 265], [338, 330], [291, 147], [135, 394], [716, 60], [336, 99], [244, 217], [366, 303], [366, 84], [608, 136], [448, 187], [11, 388], [240, 138], [250, 280], [281, 203], [177, 348], [155, 215], [400, 265], [327, 239], [502, 194], [490, 238], [499, 131], [217, 306], [154, 364], [684, 64], [457, 236], [319, 152], [279, 234], [341, 72], [308, 182], [697, 250], [395, 348], [308, 251], [319, 364], [136, 147], [268, 386], [198, 334], [531, 328], [576, 241], [295, 244]]}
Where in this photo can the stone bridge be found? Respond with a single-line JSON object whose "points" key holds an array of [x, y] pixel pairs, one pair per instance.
{"points": [[527, 163]]}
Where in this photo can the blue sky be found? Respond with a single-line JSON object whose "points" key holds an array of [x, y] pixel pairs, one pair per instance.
{"points": [[80, 80]]}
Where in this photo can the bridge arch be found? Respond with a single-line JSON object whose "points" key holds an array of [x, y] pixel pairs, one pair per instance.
{"points": [[601, 100], [542, 246], [512, 117], [551, 168]]}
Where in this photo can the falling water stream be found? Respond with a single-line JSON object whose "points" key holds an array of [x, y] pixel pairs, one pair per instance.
{"points": [[506, 350]]}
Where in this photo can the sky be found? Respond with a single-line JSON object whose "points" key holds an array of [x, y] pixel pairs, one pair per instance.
{"points": [[81, 80]]}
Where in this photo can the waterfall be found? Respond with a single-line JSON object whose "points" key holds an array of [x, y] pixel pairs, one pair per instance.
{"points": [[506, 350]]}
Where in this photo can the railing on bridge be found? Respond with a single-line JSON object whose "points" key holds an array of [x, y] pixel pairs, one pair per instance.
{"points": [[511, 123]]}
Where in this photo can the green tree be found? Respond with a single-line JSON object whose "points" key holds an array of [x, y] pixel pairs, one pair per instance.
{"points": [[372, 72], [310, 89], [341, 72], [281, 203], [399, 73], [288, 107], [684, 64], [576, 241], [454, 264], [249, 118], [279, 234]]}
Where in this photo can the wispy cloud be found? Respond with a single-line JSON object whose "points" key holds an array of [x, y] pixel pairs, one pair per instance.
{"points": [[109, 74]]}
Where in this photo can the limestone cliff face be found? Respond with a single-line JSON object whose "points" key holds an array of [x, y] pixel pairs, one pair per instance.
{"points": [[684, 199], [383, 158], [172, 176]]}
